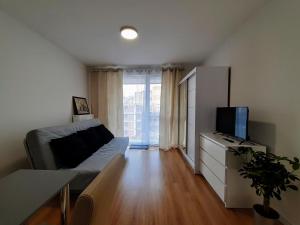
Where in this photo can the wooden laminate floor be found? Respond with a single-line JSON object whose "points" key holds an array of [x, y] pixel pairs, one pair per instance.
{"points": [[158, 188]]}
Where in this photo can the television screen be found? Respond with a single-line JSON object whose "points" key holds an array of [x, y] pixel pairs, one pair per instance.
{"points": [[225, 120], [233, 121]]}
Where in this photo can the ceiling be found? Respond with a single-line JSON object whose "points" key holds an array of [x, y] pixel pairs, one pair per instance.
{"points": [[170, 31]]}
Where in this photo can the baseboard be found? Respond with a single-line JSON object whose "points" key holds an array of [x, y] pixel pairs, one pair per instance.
{"points": [[186, 161]]}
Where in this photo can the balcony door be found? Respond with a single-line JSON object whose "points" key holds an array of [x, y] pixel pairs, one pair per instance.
{"points": [[141, 101]]}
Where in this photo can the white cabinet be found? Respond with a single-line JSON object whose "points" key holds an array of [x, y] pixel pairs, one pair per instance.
{"points": [[214, 182], [220, 168], [205, 89]]}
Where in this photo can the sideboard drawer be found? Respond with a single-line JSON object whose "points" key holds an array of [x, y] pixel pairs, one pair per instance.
{"points": [[216, 167], [214, 150], [214, 182]]}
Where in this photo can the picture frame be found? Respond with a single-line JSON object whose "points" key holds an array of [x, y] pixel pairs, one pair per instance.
{"points": [[80, 106]]}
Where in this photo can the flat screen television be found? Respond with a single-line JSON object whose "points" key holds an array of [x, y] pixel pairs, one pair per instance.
{"points": [[233, 121]]}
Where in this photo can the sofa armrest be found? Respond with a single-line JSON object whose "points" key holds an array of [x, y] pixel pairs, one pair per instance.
{"points": [[94, 203], [29, 157]]}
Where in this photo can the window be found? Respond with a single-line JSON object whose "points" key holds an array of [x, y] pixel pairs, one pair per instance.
{"points": [[141, 99]]}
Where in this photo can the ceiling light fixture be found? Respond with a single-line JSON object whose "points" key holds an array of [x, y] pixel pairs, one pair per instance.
{"points": [[129, 33]]}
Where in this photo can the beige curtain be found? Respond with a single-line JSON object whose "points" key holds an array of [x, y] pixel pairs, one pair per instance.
{"points": [[106, 98], [168, 121]]}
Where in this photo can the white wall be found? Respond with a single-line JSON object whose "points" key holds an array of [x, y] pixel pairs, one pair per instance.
{"points": [[37, 82], [265, 58]]}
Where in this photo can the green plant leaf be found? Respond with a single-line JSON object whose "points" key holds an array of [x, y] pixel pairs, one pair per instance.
{"points": [[277, 196], [268, 172], [283, 187], [292, 177], [257, 192], [294, 187], [296, 166]]}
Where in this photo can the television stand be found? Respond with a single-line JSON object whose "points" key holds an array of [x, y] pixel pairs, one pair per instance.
{"points": [[243, 141], [226, 139], [220, 167]]}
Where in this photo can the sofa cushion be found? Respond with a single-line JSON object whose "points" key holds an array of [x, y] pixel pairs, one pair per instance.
{"points": [[104, 133], [92, 139], [90, 167], [100, 158], [69, 151]]}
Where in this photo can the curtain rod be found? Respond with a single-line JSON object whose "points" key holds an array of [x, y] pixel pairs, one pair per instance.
{"points": [[165, 66]]}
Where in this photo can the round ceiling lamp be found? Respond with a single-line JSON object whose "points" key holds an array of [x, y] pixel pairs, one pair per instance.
{"points": [[129, 33]]}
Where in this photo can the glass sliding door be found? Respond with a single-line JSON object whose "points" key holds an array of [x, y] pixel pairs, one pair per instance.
{"points": [[133, 101], [154, 109], [141, 99]]}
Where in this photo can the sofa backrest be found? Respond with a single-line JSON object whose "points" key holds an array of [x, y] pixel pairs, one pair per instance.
{"points": [[37, 142], [94, 204]]}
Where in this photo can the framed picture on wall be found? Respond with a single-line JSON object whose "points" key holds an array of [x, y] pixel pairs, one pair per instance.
{"points": [[80, 106]]}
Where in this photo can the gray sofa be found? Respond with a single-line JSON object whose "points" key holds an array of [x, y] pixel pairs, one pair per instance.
{"points": [[41, 157]]}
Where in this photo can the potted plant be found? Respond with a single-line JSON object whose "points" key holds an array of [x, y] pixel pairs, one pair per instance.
{"points": [[270, 175]]}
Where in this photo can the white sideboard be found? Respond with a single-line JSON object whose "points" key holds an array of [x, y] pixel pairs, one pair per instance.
{"points": [[220, 168]]}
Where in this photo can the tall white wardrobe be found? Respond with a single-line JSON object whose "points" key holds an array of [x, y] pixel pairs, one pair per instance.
{"points": [[200, 93]]}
